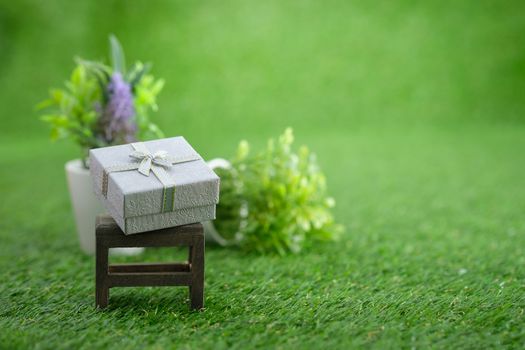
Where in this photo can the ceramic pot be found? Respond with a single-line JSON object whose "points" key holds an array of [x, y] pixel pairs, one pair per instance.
{"points": [[86, 207]]}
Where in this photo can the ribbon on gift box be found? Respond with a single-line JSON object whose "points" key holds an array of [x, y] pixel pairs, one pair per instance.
{"points": [[146, 162]]}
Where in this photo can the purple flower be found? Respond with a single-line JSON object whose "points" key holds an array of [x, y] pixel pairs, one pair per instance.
{"points": [[117, 121]]}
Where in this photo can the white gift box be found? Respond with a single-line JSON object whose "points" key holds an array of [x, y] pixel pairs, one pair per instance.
{"points": [[155, 184]]}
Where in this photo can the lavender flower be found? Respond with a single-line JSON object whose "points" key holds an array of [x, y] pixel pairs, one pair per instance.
{"points": [[117, 121]]}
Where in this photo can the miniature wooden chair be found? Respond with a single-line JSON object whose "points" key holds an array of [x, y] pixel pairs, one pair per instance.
{"points": [[190, 273]]}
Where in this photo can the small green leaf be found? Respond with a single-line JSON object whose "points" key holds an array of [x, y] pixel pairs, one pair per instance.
{"points": [[56, 120], [44, 104], [157, 87], [117, 55], [56, 95], [155, 130], [140, 72], [78, 76], [54, 135]]}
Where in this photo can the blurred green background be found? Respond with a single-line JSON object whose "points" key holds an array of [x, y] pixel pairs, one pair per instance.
{"points": [[415, 109]]}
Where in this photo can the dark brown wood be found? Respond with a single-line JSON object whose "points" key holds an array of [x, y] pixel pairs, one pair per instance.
{"points": [[197, 269], [143, 279], [140, 240], [149, 267], [102, 287], [190, 273]]}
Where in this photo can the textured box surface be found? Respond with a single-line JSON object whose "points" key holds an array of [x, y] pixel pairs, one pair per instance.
{"points": [[137, 224], [135, 201]]}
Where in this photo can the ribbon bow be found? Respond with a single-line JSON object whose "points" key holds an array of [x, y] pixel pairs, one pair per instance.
{"points": [[147, 160], [157, 162]]}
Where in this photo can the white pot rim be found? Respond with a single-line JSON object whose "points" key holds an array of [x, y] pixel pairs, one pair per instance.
{"points": [[75, 166]]}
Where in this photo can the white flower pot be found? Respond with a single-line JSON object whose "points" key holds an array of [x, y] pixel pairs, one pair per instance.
{"points": [[86, 207]]}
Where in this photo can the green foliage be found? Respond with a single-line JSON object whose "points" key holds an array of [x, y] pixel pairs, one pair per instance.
{"points": [[275, 200], [76, 108], [146, 89], [73, 114]]}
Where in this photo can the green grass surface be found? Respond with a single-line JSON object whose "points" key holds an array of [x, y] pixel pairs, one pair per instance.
{"points": [[416, 111]]}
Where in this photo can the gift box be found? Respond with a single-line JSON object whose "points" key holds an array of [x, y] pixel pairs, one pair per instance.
{"points": [[155, 184]]}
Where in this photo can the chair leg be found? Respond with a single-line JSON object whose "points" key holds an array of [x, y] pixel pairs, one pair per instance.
{"points": [[102, 288], [190, 258], [197, 270]]}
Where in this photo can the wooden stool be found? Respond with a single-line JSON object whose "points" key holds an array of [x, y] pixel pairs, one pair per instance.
{"points": [[190, 273]]}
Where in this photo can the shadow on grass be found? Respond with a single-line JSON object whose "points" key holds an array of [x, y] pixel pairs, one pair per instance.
{"points": [[149, 300], [238, 252]]}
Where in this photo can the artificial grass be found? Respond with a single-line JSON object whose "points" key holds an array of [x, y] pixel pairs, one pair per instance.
{"points": [[416, 114], [433, 256]]}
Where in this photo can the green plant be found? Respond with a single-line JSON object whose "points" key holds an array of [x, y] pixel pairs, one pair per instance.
{"points": [[275, 200], [103, 105]]}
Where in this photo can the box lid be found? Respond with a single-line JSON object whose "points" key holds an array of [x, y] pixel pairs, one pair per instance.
{"points": [[134, 194]]}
